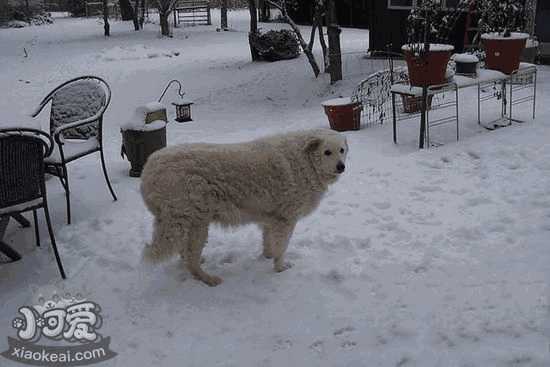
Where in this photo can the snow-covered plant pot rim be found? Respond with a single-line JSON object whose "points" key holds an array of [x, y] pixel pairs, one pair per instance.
{"points": [[466, 58], [500, 36], [435, 47], [532, 43]]}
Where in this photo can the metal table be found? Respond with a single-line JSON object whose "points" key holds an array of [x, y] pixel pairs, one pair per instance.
{"points": [[525, 78]]}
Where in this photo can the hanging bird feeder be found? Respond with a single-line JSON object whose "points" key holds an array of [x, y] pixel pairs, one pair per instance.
{"points": [[183, 108]]}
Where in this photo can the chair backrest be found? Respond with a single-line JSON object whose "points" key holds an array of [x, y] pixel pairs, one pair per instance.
{"points": [[76, 100], [22, 153]]}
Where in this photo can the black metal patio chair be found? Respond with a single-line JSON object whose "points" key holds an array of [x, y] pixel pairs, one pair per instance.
{"points": [[76, 123], [22, 182]]}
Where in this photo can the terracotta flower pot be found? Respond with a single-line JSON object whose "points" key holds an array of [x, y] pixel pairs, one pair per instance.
{"points": [[414, 104], [429, 69], [343, 114], [503, 53]]}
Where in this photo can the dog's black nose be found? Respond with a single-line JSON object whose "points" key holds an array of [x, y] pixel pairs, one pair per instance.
{"points": [[340, 167]]}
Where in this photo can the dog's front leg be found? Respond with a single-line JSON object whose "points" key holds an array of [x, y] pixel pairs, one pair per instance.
{"points": [[278, 237], [268, 238]]}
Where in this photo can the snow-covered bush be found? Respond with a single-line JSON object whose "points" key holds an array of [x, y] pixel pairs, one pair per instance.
{"points": [[430, 23], [276, 45], [501, 16], [21, 14]]}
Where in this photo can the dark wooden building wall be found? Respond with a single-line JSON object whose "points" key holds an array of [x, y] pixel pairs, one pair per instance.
{"points": [[542, 25], [350, 13], [387, 26]]}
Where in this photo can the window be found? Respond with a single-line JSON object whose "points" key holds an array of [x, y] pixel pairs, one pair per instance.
{"points": [[401, 4]]}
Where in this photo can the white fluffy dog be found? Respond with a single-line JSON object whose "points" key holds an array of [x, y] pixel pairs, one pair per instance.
{"points": [[273, 182]]}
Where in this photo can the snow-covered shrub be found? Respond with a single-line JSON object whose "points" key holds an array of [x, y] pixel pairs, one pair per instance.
{"points": [[429, 22], [276, 45], [21, 14], [501, 16]]}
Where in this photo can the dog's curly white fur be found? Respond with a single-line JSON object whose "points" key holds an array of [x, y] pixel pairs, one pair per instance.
{"points": [[272, 181]]}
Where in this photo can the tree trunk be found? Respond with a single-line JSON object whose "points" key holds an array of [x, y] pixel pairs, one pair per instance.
{"points": [[106, 26], [319, 22], [141, 13], [334, 50], [253, 28], [264, 11], [164, 24], [126, 10], [335, 53], [307, 48], [224, 15]]}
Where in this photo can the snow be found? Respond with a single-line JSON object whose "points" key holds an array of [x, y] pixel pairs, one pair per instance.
{"points": [[465, 58], [151, 126], [499, 36], [15, 208], [531, 42], [137, 121], [72, 148], [436, 47], [337, 102], [423, 258]]}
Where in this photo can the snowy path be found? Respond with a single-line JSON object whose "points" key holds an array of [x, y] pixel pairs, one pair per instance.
{"points": [[432, 258]]}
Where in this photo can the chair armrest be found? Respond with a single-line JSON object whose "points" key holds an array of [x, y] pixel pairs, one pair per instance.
{"points": [[74, 124], [46, 138], [39, 109]]}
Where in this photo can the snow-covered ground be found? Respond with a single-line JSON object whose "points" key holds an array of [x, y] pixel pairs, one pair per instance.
{"points": [[415, 258]]}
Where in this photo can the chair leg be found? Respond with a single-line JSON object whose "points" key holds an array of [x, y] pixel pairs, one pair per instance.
{"points": [[65, 184], [36, 231], [105, 174], [52, 241], [9, 252]]}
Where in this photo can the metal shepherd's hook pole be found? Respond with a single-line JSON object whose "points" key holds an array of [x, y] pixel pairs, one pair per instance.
{"points": [[180, 93]]}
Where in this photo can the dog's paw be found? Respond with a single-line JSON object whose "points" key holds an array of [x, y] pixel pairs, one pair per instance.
{"points": [[267, 254], [211, 280], [280, 267]]}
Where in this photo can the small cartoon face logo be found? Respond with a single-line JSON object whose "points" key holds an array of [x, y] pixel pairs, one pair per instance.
{"points": [[76, 322]]}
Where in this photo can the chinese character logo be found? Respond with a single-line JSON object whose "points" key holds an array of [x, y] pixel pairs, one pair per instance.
{"points": [[68, 319]]}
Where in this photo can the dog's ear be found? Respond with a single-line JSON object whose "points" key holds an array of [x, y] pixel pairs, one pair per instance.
{"points": [[312, 145]]}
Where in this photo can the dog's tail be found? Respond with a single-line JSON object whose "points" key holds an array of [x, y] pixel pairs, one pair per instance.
{"points": [[155, 254]]}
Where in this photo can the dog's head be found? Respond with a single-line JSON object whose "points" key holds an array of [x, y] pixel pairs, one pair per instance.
{"points": [[328, 152]]}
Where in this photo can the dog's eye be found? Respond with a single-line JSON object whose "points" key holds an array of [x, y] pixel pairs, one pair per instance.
{"points": [[342, 150], [328, 152]]}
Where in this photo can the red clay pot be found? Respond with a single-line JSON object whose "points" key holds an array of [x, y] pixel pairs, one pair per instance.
{"points": [[343, 114], [414, 104], [429, 69], [503, 53]]}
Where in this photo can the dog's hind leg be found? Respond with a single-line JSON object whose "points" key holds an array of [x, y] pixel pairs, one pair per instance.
{"points": [[166, 236], [198, 234]]}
